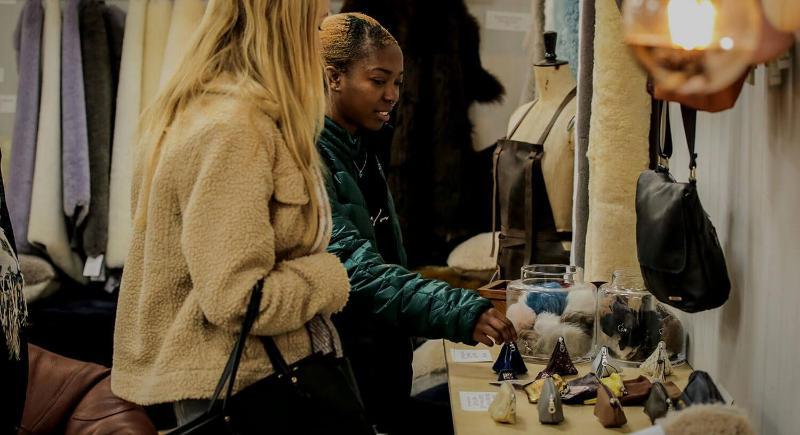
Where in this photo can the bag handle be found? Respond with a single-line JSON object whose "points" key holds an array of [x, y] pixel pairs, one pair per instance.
{"points": [[232, 366], [689, 118]]}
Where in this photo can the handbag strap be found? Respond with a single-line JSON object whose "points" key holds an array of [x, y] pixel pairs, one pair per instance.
{"points": [[664, 133], [232, 366]]}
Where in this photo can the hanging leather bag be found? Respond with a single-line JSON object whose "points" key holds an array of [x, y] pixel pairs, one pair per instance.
{"points": [[527, 228], [314, 395], [680, 256]]}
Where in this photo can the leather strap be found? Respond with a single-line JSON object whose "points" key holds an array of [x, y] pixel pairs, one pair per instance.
{"points": [[232, 366], [665, 149], [524, 115], [534, 157], [561, 107]]}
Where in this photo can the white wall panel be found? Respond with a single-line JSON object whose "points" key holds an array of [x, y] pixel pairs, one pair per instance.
{"points": [[749, 172]]}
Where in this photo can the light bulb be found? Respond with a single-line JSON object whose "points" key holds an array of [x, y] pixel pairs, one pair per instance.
{"points": [[693, 46]]}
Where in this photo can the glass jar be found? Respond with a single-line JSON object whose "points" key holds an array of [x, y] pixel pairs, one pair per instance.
{"points": [[630, 321], [552, 301]]}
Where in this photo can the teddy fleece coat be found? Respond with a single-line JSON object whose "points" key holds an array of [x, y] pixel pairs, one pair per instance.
{"points": [[228, 206]]}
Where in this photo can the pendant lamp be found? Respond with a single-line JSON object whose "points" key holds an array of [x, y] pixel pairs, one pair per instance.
{"points": [[693, 47]]}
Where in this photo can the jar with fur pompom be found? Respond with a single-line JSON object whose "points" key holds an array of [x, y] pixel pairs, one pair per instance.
{"points": [[552, 301], [630, 321]]}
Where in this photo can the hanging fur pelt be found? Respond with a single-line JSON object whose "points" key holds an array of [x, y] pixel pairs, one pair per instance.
{"points": [[440, 185]]}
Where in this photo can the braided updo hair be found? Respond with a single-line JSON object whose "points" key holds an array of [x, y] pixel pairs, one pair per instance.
{"points": [[349, 37]]}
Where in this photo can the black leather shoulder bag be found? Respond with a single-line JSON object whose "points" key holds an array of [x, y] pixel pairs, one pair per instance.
{"points": [[317, 394], [680, 256]]}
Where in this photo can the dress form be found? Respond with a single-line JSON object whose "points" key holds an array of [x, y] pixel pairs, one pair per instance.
{"points": [[553, 84]]}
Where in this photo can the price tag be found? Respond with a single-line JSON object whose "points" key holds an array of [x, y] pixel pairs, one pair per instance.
{"points": [[471, 355], [95, 268], [476, 401]]}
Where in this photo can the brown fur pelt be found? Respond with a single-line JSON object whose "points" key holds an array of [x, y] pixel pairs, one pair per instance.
{"points": [[441, 187]]}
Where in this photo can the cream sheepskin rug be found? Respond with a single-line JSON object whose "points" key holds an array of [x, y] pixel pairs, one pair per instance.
{"points": [[618, 148], [128, 106]]}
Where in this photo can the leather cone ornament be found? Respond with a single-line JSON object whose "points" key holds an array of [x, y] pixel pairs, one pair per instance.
{"points": [[510, 359], [560, 362], [657, 364], [783, 14], [504, 407]]}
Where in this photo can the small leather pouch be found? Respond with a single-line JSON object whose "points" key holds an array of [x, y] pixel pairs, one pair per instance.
{"points": [[608, 408], [504, 406], [658, 364], [700, 390], [510, 359], [658, 402], [550, 409], [601, 365], [636, 391], [614, 384], [534, 389], [673, 391], [580, 390], [560, 362]]}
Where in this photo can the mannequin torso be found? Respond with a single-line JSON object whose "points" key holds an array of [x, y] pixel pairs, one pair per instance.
{"points": [[553, 85]]}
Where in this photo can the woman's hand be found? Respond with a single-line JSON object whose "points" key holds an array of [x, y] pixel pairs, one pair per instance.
{"points": [[493, 325]]}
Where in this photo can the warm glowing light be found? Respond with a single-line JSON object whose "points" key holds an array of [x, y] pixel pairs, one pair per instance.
{"points": [[726, 43], [691, 23]]}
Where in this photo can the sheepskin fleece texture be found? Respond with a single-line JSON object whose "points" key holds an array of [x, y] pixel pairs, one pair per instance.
{"points": [[228, 207], [582, 120], [567, 17], [618, 148], [75, 141], [549, 327], [439, 183], [186, 17], [159, 15], [475, 254], [28, 46], [707, 420], [99, 60], [534, 46], [125, 123], [47, 228]]}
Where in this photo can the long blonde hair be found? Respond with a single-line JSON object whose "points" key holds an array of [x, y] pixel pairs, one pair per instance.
{"points": [[271, 48]]}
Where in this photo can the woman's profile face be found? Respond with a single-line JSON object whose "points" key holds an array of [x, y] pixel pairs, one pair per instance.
{"points": [[364, 95]]}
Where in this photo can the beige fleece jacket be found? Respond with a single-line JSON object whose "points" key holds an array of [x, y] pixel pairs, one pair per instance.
{"points": [[228, 206]]}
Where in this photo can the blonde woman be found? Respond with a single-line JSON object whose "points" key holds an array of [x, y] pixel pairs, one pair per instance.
{"points": [[227, 191]]}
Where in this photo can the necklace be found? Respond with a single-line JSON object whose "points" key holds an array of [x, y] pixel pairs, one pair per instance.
{"points": [[363, 166]]}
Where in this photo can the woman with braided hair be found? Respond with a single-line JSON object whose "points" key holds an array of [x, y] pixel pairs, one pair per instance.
{"points": [[388, 304]]}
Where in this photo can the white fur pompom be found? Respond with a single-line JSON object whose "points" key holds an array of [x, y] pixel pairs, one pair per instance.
{"points": [[521, 315]]}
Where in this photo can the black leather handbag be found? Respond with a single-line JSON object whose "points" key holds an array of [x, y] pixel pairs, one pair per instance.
{"points": [[680, 256], [317, 394], [527, 227]]}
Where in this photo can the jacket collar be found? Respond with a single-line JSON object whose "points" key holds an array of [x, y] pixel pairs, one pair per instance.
{"points": [[341, 140], [227, 84]]}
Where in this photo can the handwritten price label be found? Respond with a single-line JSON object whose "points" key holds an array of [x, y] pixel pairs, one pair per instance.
{"points": [[471, 355]]}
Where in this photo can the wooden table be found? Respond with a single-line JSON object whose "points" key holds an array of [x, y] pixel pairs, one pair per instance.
{"points": [[578, 419]]}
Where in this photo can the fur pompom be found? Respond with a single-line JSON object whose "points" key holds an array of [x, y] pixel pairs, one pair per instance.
{"points": [[521, 315]]}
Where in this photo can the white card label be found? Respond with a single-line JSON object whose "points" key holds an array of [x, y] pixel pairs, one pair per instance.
{"points": [[8, 103], [508, 21], [476, 401], [94, 267], [471, 355]]}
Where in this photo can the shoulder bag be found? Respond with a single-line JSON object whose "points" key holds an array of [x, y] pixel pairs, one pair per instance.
{"points": [[680, 256], [314, 395]]}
